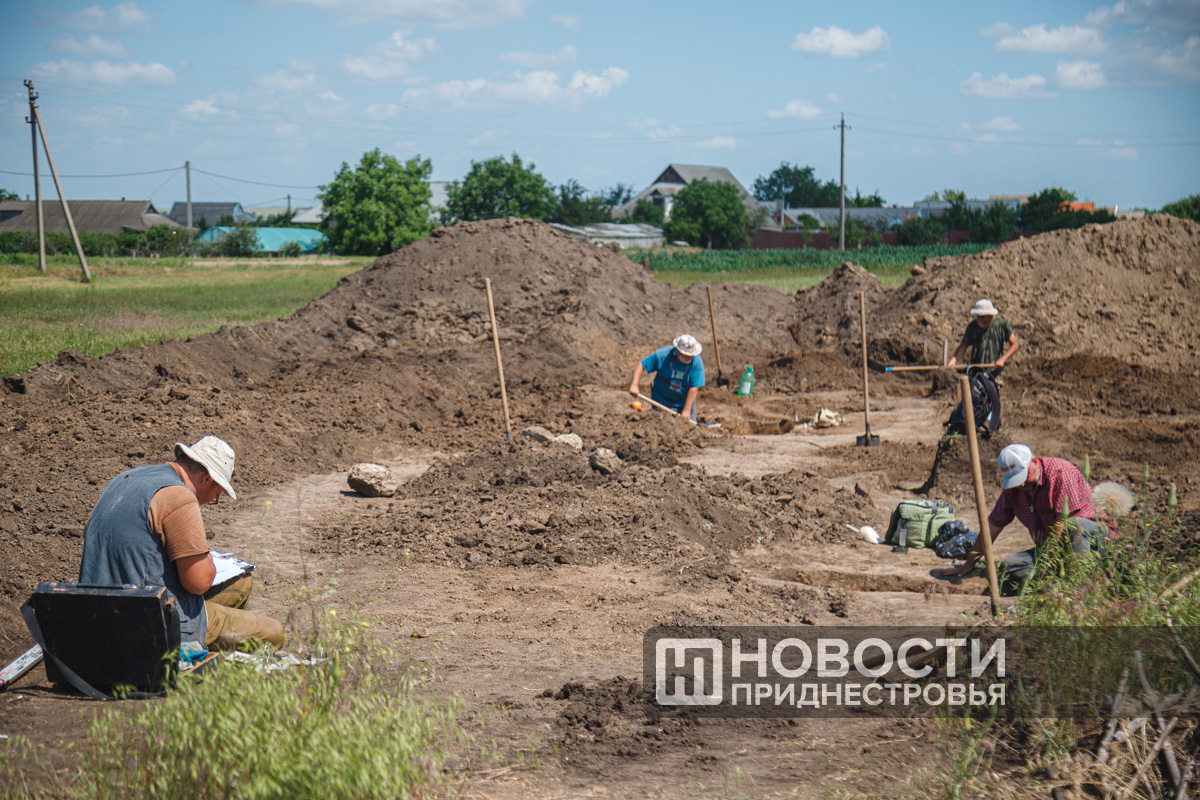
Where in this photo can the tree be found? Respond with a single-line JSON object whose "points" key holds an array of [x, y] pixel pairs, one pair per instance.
{"points": [[1039, 211], [1187, 208], [645, 212], [873, 200], [798, 187], [710, 214], [576, 209], [240, 241], [496, 188], [5, 194], [617, 195], [998, 223], [958, 217], [379, 206], [920, 231]]}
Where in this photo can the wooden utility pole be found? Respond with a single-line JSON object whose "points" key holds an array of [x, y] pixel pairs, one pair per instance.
{"points": [[62, 198], [187, 168], [37, 182], [842, 193]]}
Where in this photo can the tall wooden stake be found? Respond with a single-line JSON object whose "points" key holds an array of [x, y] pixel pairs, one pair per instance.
{"points": [[37, 181], [985, 533], [866, 440], [62, 198], [499, 363]]}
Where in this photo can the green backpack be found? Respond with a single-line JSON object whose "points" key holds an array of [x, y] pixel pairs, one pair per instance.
{"points": [[915, 523]]}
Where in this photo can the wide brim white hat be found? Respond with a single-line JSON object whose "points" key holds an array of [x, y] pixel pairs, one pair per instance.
{"points": [[688, 345], [984, 308], [216, 456]]}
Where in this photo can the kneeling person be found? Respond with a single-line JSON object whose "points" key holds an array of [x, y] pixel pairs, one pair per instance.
{"points": [[146, 529], [678, 375]]}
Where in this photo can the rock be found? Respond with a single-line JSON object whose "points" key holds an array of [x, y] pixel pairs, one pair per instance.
{"points": [[538, 434], [604, 461], [917, 269], [372, 480], [570, 439]]}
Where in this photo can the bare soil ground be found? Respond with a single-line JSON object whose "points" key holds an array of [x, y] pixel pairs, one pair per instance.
{"points": [[532, 578]]}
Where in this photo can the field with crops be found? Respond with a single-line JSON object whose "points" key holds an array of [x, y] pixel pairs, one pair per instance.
{"points": [[872, 258]]}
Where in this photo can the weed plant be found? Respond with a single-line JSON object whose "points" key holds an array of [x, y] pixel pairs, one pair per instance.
{"points": [[341, 727]]}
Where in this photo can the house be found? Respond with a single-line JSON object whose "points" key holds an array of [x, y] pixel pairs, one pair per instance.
{"points": [[625, 235], [313, 215], [210, 213], [936, 208], [662, 190], [272, 240], [874, 218], [89, 216]]}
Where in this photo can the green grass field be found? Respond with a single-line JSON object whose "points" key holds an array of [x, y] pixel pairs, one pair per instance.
{"points": [[139, 301]]}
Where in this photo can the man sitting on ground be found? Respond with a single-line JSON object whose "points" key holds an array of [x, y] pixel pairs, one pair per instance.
{"points": [[679, 374], [1034, 492], [990, 339], [146, 529]]}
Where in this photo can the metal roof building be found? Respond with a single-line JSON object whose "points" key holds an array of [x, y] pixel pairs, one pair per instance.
{"points": [[89, 216], [272, 240], [623, 234], [662, 190], [211, 213]]}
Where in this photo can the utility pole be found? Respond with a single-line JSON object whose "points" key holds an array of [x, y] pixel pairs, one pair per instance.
{"points": [[187, 168], [289, 202], [37, 181], [62, 198], [842, 218]]}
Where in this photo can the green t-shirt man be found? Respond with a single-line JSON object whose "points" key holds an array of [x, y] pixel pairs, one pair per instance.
{"points": [[989, 338]]}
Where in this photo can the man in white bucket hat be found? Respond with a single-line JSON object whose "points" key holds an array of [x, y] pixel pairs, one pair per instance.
{"points": [[678, 375], [989, 337], [146, 529]]}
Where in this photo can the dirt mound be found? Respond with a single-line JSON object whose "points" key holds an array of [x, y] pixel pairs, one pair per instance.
{"points": [[830, 312], [1129, 290]]}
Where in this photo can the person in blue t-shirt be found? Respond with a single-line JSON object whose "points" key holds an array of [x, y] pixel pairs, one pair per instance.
{"points": [[678, 375]]}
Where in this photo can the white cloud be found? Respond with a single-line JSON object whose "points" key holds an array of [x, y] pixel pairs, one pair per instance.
{"points": [[1004, 87], [566, 55], [379, 111], [286, 129], [541, 87], [602, 135], [657, 130], [839, 43], [286, 82], [871, 69], [105, 72], [92, 47], [456, 14], [1073, 39], [391, 60], [1181, 61], [1151, 13], [958, 148], [331, 97], [302, 65], [833, 98], [569, 21], [892, 98], [199, 108], [996, 30], [121, 17], [718, 143], [796, 109], [1079, 75], [1002, 124], [1116, 151], [988, 138]]}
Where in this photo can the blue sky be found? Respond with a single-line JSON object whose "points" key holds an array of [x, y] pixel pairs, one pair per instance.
{"points": [[990, 98]]}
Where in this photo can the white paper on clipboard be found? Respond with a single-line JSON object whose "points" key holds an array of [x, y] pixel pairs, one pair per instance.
{"points": [[229, 567]]}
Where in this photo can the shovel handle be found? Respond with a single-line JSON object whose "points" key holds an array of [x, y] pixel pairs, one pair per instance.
{"points": [[659, 405], [931, 367]]}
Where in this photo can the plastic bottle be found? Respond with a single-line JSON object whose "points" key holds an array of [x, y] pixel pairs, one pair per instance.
{"points": [[746, 383]]}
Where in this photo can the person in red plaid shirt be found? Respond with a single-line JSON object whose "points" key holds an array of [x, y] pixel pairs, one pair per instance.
{"points": [[1035, 490]]}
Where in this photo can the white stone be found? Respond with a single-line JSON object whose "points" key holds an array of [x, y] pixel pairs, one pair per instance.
{"points": [[372, 480]]}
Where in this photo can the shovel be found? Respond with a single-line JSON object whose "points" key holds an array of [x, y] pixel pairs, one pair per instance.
{"points": [[722, 381], [661, 407], [875, 365]]}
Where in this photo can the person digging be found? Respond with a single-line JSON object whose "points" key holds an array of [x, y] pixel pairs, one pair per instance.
{"points": [[146, 529], [1035, 490], [678, 375], [989, 338]]}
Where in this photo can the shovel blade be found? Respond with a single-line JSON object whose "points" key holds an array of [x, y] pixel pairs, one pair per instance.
{"points": [[722, 381], [867, 440]]}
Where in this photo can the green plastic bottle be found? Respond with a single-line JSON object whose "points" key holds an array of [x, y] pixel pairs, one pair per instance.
{"points": [[746, 383]]}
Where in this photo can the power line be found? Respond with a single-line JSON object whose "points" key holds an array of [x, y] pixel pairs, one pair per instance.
{"points": [[115, 175], [256, 183]]}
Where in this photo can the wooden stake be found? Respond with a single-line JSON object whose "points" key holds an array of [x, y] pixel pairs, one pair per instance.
{"points": [[984, 532], [866, 440], [713, 319], [62, 198], [499, 363]]}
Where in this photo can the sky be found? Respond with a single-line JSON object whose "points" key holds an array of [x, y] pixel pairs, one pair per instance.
{"points": [[268, 98]]}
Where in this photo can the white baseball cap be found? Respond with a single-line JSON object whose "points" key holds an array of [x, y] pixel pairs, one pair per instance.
{"points": [[687, 345], [216, 456], [984, 308], [1014, 465]]}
